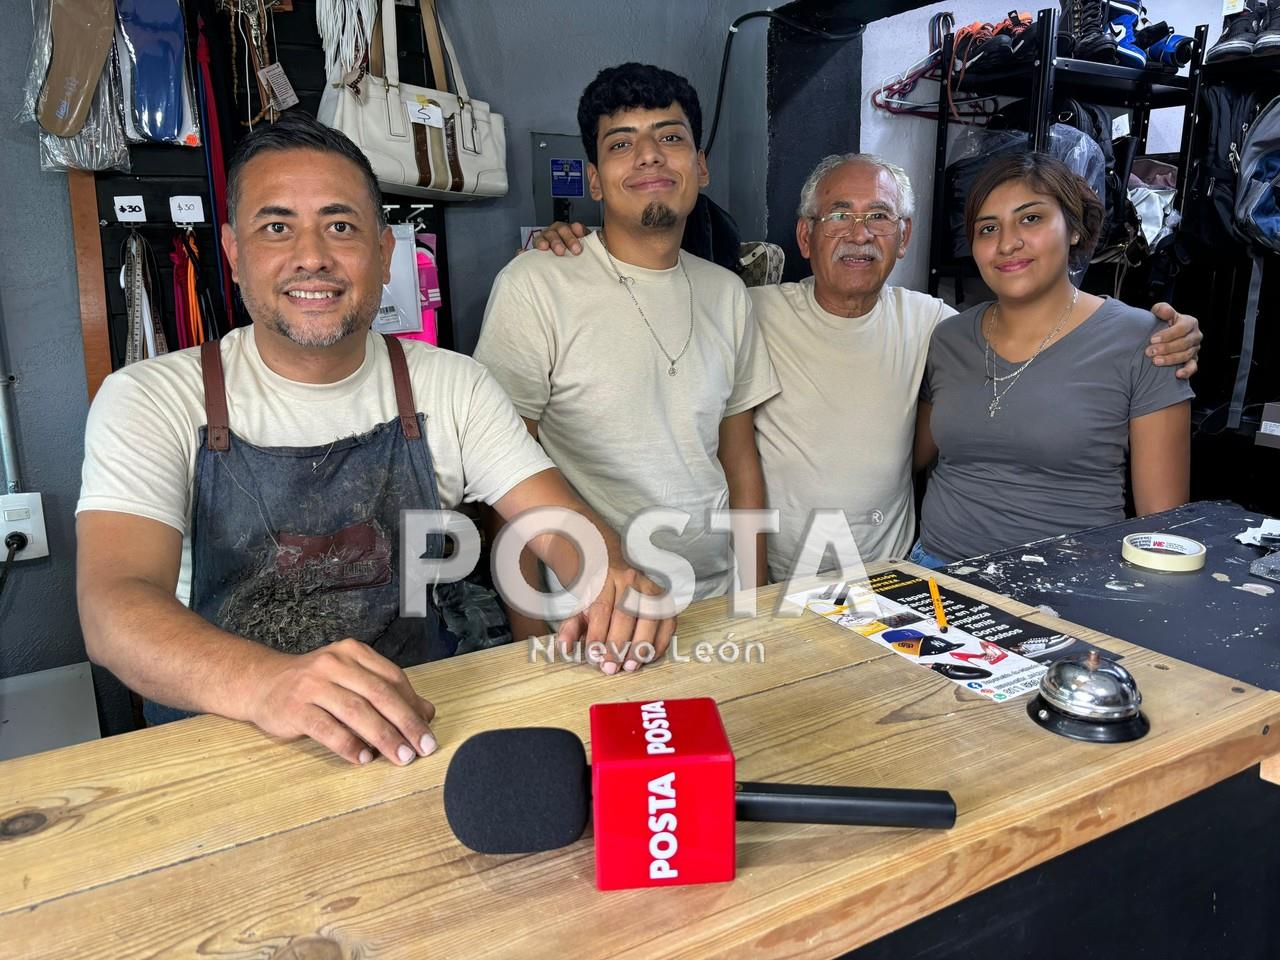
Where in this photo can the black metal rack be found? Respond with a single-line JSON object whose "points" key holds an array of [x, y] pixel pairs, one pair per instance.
{"points": [[1051, 77]]}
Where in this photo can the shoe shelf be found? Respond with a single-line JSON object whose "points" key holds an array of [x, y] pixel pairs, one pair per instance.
{"points": [[1108, 84], [1045, 79], [1250, 69]]}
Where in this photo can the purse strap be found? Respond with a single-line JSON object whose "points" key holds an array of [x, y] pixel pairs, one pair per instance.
{"points": [[438, 36], [435, 50], [390, 60]]}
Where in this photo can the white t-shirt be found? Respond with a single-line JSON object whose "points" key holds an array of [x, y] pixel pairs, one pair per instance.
{"points": [[840, 433], [565, 340], [142, 434]]}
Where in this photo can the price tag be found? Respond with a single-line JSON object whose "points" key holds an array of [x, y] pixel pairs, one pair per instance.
{"points": [[1232, 7], [425, 111], [282, 93], [187, 209], [129, 209], [1119, 126]]}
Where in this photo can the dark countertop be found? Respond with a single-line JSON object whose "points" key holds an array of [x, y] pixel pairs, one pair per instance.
{"points": [[1202, 617]]}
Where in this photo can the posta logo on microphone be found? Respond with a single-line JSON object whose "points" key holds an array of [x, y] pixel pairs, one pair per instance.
{"points": [[663, 794]]}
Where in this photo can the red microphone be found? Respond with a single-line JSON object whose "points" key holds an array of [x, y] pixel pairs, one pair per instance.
{"points": [[662, 790]]}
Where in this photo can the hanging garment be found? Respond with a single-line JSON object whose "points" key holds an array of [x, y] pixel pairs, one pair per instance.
{"points": [[181, 320], [297, 547], [215, 164]]}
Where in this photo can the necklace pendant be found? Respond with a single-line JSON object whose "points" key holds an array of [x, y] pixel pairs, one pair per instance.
{"points": [[671, 370], [992, 408]]}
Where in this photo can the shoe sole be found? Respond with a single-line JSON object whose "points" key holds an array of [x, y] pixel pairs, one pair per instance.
{"points": [[1267, 43], [81, 40], [1128, 57], [1225, 51]]}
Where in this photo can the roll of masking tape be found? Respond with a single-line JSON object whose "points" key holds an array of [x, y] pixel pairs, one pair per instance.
{"points": [[1163, 551]]}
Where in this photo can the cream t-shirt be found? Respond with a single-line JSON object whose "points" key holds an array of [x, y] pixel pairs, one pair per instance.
{"points": [[565, 340], [142, 434], [840, 433]]}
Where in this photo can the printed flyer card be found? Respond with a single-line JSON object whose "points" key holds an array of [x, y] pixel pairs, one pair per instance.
{"points": [[984, 649]]}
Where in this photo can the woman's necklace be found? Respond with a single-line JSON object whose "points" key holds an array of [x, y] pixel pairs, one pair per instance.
{"points": [[997, 395], [626, 283]]}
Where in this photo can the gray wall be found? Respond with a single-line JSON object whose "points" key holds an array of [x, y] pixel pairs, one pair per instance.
{"points": [[40, 345], [531, 61]]}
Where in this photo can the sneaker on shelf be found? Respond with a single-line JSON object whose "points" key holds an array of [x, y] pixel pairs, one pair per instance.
{"points": [[1087, 21], [1169, 50], [1268, 28], [1124, 16], [978, 47], [1238, 37], [1024, 32]]}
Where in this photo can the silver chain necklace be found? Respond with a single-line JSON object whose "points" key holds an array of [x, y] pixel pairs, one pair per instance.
{"points": [[625, 282], [989, 366]]}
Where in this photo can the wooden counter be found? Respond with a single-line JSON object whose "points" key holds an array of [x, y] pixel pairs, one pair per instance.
{"points": [[207, 839]]}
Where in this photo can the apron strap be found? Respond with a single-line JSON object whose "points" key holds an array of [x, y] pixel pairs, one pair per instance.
{"points": [[404, 389], [218, 435]]}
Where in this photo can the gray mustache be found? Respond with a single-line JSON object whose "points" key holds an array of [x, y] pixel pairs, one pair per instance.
{"points": [[869, 250]]}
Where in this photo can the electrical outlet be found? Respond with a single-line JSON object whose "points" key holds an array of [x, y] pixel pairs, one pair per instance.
{"points": [[23, 513]]}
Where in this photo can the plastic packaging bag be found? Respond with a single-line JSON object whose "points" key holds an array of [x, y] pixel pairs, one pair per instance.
{"points": [[38, 66], [976, 147], [100, 144], [136, 108]]}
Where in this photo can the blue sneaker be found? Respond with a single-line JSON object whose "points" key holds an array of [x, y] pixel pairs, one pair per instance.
{"points": [[1125, 15]]}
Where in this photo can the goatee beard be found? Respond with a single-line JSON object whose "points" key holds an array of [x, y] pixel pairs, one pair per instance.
{"points": [[658, 216], [350, 323]]}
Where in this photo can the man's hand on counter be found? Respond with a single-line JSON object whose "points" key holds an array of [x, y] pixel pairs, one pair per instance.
{"points": [[346, 697], [614, 638]]}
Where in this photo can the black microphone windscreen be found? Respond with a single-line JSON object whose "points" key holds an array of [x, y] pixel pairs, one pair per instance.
{"points": [[520, 790]]}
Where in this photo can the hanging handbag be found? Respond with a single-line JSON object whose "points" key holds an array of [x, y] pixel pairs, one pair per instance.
{"points": [[421, 142]]}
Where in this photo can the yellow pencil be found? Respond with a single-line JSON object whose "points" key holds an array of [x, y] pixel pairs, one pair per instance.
{"points": [[937, 605]]}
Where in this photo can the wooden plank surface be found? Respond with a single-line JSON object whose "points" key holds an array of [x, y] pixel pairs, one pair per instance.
{"points": [[93, 294], [206, 839]]}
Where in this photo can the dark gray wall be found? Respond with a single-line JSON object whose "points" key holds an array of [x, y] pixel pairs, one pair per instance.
{"points": [[531, 61], [40, 344]]}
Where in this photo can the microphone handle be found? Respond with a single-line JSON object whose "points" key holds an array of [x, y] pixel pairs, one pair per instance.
{"points": [[853, 806]]}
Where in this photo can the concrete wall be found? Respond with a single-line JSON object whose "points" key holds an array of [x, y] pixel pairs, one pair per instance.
{"points": [[531, 61], [40, 345], [894, 44]]}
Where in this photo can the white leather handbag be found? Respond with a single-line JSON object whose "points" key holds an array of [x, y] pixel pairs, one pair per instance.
{"points": [[420, 142]]}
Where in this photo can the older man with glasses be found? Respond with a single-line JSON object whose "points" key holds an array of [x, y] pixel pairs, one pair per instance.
{"points": [[849, 352]]}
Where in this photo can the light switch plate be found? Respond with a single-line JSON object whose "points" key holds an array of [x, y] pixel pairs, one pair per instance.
{"points": [[23, 512]]}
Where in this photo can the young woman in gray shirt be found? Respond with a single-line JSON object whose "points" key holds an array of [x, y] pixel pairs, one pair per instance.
{"points": [[1030, 405]]}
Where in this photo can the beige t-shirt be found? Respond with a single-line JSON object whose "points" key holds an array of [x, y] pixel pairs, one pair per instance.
{"points": [[142, 435], [564, 339], [840, 433]]}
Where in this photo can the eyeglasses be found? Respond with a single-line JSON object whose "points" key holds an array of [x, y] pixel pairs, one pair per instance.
{"points": [[840, 223]]}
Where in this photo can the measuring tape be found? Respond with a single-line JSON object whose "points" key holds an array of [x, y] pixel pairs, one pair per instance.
{"points": [[1162, 551]]}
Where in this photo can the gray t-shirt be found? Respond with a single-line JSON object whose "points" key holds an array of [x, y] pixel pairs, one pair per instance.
{"points": [[1052, 459]]}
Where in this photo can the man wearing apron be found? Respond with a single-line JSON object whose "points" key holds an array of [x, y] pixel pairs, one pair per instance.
{"points": [[261, 479]]}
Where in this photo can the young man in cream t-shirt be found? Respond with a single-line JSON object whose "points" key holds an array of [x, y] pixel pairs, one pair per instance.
{"points": [[638, 366]]}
